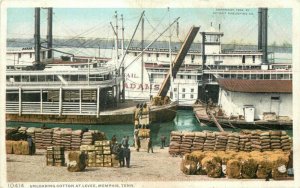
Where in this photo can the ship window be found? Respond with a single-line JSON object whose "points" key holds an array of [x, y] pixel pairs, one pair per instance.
{"points": [[149, 54], [181, 76], [183, 96], [192, 90], [168, 55], [49, 78], [253, 58], [157, 55], [20, 55], [192, 96], [189, 76], [243, 59], [183, 89], [135, 53], [94, 65], [41, 78], [33, 78], [275, 98], [30, 54], [175, 89]]}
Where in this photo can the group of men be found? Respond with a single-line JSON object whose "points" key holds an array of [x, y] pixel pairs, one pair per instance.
{"points": [[122, 150]]}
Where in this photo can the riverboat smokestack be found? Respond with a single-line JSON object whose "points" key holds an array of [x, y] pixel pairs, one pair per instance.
{"points": [[37, 44], [263, 34], [49, 33], [259, 45]]}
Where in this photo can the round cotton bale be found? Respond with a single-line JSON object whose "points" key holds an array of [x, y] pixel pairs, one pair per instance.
{"points": [[233, 169], [188, 167], [279, 168], [212, 166], [264, 169], [249, 168], [77, 161]]}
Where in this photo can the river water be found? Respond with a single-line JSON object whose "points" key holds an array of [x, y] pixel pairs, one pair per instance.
{"points": [[184, 121]]}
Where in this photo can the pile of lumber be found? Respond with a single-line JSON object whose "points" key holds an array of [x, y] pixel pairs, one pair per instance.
{"points": [[233, 142], [198, 142], [244, 142], [236, 165], [186, 142], [175, 142], [56, 139], [66, 136], [76, 139], [210, 142], [286, 141], [257, 140], [38, 138], [47, 137], [221, 141]]}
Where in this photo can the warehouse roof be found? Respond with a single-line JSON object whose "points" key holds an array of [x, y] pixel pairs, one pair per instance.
{"points": [[256, 86]]}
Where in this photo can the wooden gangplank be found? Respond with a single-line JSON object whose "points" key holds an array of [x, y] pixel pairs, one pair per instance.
{"points": [[178, 60], [216, 122]]}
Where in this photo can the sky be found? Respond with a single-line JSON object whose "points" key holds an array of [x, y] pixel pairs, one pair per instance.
{"points": [[238, 25]]}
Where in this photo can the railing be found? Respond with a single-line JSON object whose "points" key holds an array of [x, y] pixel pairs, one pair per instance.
{"points": [[52, 108], [70, 83]]}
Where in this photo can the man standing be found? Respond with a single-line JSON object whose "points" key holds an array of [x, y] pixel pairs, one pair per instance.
{"points": [[113, 140], [163, 141], [150, 145], [127, 156], [120, 153], [30, 145]]}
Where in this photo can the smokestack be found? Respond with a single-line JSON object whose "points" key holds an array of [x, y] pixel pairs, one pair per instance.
{"points": [[259, 45], [49, 33], [37, 44], [264, 34]]}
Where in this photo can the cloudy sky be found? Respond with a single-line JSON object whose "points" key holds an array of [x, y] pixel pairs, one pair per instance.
{"points": [[237, 24]]}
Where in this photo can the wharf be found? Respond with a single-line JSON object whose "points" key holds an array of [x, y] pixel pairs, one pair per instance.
{"points": [[202, 116], [122, 114]]}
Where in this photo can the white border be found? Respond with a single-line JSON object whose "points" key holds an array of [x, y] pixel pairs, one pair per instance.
{"points": [[294, 4]]}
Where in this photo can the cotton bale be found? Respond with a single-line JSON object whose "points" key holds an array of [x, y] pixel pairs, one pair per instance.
{"points": [[77, 161], [212, 166], [249, 168], [233, 169]]}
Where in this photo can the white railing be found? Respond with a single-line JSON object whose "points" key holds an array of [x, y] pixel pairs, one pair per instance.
{"points": [[52, 108]]}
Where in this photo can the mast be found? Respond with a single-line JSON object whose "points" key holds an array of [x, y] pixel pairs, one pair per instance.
{"points": [[37, 43], [117, 38], [170, 55], [142, 58], [49, 33], [122, 67]]}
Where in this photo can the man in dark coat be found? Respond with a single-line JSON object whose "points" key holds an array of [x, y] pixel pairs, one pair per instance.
{"points": [[120, 153], [163, 141], [30, 144], [127, 156], [150, 145]]}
